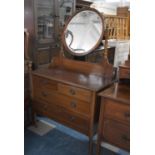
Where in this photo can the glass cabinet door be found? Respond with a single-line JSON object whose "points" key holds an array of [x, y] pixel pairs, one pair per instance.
{"points": [[66, 9], [44, 20]]}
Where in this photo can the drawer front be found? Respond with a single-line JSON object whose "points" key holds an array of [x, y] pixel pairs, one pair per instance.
{"points": [[124, 73], [68, 118], [67, 102], [117, 111], [75, 120], [40, 82], [79, 93], [117, 134]]}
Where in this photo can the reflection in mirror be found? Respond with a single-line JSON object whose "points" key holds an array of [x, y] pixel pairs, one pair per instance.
{"points": [[83, 32]]}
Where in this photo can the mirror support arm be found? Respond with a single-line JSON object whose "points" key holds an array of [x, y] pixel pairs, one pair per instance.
{"points": [[105, 53]]}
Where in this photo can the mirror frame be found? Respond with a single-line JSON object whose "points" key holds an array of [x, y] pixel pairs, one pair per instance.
{"points": [[66, 25]]}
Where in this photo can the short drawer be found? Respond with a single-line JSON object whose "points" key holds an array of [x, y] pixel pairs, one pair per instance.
{"points": [[41, 82], [117, 134], [79, 93], [117, 111], [124, 73]]}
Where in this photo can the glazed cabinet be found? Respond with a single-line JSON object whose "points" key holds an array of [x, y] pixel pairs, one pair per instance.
{"points": [[44, 19], [46, 30]]}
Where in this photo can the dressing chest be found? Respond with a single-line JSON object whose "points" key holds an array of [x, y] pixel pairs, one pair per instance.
{"points": [[68, 94], [66, 90], [114, 121]]}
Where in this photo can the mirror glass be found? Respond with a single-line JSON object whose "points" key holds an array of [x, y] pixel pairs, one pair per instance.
{"points": [[84, 32]]}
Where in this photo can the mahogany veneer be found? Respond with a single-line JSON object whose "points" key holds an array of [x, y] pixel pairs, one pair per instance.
{"points": [[114, 121], [66, 91]]}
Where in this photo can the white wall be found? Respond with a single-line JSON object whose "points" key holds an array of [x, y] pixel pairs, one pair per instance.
{"points": [[109, 6], [105, 8]]}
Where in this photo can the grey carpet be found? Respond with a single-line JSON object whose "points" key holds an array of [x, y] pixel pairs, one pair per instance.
{"points": [[56, 142]]}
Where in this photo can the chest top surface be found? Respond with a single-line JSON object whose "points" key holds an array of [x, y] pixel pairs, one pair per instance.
{"points": [[118, 91], [86, 81]]}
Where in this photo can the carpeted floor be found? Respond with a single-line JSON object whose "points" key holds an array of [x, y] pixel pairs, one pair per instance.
{"points": [[55, 142], [61, 140]]}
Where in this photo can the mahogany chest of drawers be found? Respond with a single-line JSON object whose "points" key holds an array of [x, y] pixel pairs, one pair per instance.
{"points": [[68, 97], [124, 72], [114, 121]]}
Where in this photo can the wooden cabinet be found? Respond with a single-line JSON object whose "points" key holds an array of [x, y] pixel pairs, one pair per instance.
{"points": [[44, 19], [71, 105], [124, 71], [80, 4], [114, 121], [68, 95], [46, 30]]}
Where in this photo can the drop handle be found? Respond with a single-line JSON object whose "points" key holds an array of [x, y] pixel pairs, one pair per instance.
{"points": [[73, 104], [72, 91], [124, 137], [127, 114], [44, 94]]}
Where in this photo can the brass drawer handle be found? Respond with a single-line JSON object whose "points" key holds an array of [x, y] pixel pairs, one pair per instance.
{"points": [[44, 94], [127, 114], [124, 137], [72, 118], [72, 91], [73, 104]]}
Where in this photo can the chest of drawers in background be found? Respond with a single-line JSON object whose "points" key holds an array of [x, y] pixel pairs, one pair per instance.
{"points": [[114, 121], [124, 72]]}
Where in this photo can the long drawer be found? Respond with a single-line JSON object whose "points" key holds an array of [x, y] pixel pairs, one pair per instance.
{"points": [[64, 116], [75, 92], [117, 111], [67, 102], [117, 134]]}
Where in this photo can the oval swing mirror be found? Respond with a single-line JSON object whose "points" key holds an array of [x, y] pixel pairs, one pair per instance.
{"points": [[83, 32]]}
